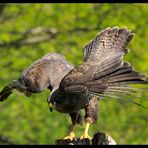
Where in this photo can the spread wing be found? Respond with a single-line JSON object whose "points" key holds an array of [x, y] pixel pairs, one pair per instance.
{"points": [[103, 69], [107, 41], [46, 72]]}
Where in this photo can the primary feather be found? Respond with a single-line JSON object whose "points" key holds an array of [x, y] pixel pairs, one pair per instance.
{"points": [[104, 67], [45, 72]]}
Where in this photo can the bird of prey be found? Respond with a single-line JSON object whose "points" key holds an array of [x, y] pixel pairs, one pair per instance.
{"points": [[103, 73], [46, 72]]}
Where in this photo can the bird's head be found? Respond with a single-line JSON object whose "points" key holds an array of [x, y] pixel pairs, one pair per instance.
{"points": [[56, 101]]}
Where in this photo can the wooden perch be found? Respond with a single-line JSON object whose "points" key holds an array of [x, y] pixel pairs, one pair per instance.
{"points": [[98, 139]]}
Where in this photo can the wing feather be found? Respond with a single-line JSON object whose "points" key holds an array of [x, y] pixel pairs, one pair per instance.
{"points": [[104, 67], [107, 41], [46, 72]]}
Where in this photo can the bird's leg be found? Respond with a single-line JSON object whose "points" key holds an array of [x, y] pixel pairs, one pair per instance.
{"points": [[76, 118], [71, 135], [91, 114], [85, 134]]}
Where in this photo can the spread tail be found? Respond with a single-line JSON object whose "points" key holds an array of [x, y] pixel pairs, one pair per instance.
{"points": [[120, 84]]}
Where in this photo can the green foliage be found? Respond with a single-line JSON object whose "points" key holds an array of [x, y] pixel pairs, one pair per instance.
{"points": [[28, 120]]}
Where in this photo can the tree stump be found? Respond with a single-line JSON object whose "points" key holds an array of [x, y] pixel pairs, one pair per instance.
{"points": [[98, 139]]}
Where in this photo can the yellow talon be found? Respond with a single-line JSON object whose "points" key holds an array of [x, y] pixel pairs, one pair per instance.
{"points": [[85, 135], [71, 136]]}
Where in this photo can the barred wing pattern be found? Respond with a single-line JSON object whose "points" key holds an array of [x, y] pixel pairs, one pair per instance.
{"points": [[104, 70], [107, 41]]}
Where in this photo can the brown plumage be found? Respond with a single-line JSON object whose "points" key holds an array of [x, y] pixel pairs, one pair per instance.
{"points": [[103, 73], [45, 73]]}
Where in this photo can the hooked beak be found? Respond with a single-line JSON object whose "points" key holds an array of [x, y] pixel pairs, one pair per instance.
{"points": [[51, 107]]}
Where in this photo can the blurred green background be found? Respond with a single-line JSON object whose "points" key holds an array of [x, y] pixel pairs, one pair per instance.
{"points": [[28, 31]]}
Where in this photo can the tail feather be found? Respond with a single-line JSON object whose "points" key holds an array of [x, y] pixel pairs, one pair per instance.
{"points": [[117, 84], [126, 68], [110, 95], [122, 99], [125, 74], [126, 77], [108, 66]]}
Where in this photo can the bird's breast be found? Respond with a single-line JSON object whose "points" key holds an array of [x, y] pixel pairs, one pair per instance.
{"points": [[74, 103]]}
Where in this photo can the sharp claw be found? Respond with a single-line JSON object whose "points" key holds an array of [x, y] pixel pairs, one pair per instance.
{"points": [[85, 135], [70, 137]]}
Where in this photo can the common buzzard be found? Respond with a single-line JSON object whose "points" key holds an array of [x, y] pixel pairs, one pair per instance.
{"points": [[103, 73]]}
